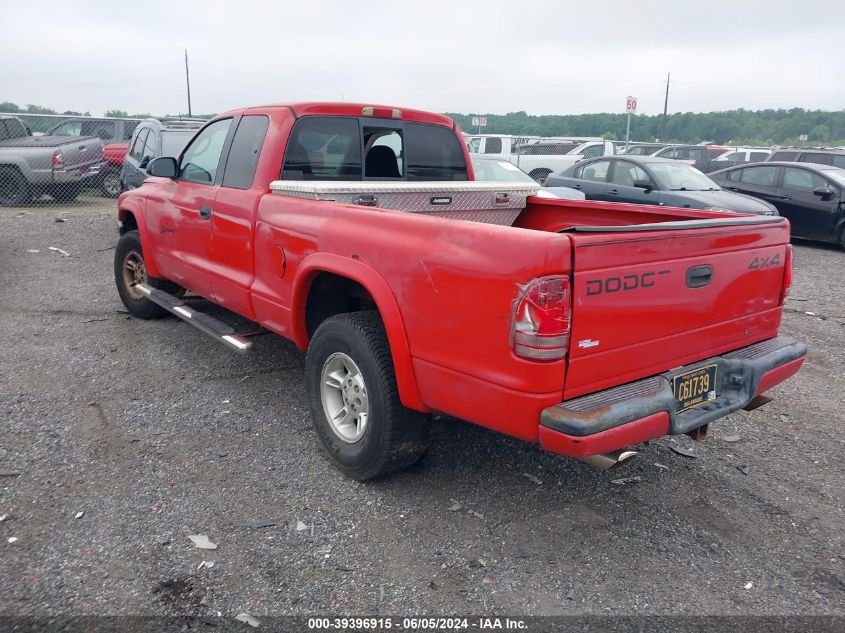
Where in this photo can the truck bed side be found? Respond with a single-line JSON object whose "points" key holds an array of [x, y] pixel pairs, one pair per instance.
{"points": [[440, 274]]}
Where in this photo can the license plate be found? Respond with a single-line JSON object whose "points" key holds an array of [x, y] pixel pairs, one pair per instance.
{"points": [[695, 387]]}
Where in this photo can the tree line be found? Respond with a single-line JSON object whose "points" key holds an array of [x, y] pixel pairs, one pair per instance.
{"points": [[736, 127]]}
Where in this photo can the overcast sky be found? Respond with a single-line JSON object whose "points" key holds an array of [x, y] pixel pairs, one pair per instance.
{"points": [[563, 57]]}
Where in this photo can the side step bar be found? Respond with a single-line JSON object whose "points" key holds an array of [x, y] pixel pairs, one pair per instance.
{"points": [[204, 322]]}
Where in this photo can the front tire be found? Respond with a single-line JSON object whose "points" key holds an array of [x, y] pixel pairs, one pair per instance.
{"points": [[130, 269], [355, 406]]}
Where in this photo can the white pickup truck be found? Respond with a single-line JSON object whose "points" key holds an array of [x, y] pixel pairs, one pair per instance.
{"points": [[537, 156]]}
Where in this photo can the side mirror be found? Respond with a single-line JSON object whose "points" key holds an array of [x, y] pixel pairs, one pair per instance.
{"points": [[163, 166], [823, 193], [643, 184]]}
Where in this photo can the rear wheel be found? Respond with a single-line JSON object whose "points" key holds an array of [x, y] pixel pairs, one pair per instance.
{"points": [[354, 402], [111, 186], [14, 189], [130, 269]]}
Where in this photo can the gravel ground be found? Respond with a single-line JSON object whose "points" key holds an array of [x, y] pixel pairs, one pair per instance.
{"points": [[155, 433]]}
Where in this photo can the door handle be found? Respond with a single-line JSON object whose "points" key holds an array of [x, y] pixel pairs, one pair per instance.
{"points": [[784, 198], [613, 192], [699, 276], [576, 186], [205, 213]]}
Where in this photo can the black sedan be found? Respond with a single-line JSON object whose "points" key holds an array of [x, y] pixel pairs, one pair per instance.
{"points": [[652, 180], [809, 195]]}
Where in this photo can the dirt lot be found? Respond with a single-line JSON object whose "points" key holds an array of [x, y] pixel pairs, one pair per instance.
{"points": [[154, 433]]}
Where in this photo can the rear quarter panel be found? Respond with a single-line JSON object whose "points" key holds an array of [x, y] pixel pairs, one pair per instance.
{"points": [[454, 283]]}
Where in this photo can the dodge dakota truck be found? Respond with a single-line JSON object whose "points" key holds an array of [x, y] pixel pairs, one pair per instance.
{"points": [[358, 233]]}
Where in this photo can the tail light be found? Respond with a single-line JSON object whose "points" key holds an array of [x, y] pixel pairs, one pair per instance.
{"points": [[787, 274], [58, 160], [541, 319]]}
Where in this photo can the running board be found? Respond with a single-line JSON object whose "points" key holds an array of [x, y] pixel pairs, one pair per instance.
{"points": [[204, 322]]}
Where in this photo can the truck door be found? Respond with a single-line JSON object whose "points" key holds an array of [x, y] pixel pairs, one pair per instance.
{"points": [[233, 218], [181, 217]]}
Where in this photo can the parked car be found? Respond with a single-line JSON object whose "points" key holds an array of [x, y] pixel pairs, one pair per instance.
{"points": [[115, 154], [638, 148], [809, 195], [657, 181], [700, 156], [151, 139], [412, 289], [498, 170], [107, 130], [115, 134], [740, 155], [820, 156], [32, 165], [536, 156]]}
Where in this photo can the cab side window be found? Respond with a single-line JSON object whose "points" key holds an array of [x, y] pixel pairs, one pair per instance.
{"points": [[201, 159], [149, 152], [762, 176], [626, 174], [802, 180], [137, 151], [246, 148], [597, 172]]}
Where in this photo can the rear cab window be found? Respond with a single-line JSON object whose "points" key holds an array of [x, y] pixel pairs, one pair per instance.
{"points": [[350, 148]]}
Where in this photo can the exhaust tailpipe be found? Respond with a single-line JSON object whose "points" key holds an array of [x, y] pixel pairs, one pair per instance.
{"points": [[608, 461]]}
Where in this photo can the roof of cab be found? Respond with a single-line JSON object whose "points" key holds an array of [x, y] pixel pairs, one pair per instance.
{"points": [[316, 108]]}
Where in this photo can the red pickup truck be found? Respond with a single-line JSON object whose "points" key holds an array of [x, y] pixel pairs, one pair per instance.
{"points": [[358, 232]]}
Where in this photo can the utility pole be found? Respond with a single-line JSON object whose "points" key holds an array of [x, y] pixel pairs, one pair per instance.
{"points": [[665, 110], [188, 82]]}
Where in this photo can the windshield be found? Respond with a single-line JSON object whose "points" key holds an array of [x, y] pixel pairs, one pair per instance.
{"points": [[681, 177], [173, 142], [836, 175], [499, 170]]}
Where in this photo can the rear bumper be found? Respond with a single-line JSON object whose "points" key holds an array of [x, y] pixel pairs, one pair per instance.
{"points": [[644, 410], [76, 174]]}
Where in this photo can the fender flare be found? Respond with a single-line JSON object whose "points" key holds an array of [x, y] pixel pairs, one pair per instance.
{"points": [[131, 207], [19, 162], [388, 308]]}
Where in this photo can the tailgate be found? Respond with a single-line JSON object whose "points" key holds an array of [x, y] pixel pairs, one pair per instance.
{"points": [[649, 298], [78, 151]]}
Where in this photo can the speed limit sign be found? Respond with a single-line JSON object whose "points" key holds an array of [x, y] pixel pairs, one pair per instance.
{"points": [[631, 105]]}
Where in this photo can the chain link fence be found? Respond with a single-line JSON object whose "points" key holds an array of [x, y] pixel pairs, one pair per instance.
{"points": [[54, 159]]}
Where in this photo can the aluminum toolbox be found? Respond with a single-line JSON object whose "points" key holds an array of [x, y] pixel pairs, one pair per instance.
{"points": [[490, 202]]}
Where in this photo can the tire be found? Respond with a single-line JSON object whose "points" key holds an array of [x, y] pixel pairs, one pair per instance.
{"points": [[15, 191], [129, 251], [540, 175], [65, 193], [112, 187], [391, 437]]}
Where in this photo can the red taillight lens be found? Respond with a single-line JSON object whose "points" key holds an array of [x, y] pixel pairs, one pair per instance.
{"points": [[541, 320], [58, 161], [787, 274]]}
